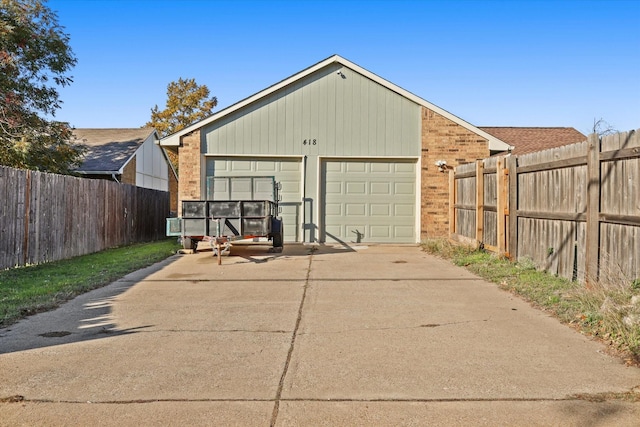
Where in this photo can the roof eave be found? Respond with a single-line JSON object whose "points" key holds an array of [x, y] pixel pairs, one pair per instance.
{"points": [[80, 172]]}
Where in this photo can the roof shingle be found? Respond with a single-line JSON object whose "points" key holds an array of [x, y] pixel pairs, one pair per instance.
{"points": [[108, 150], [531, 139]]}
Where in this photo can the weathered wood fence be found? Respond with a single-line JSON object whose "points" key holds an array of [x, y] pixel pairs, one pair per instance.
{"points": [[46, 217], [573, 210]]}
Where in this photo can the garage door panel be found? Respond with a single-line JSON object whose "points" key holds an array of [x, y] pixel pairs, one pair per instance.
{"points": [[380, 188], [333, 232], [379, 232], [244, 166], [354, 232], [404, 188], [379, 195], [403, 210], [263, 187], [356, 209], [264, 166], [403, 231], [354, 167], [290, 166], [333, 209], [379, 210], [334, 188], [289, 188], [356, 188], [404, 168], [381, 167]]}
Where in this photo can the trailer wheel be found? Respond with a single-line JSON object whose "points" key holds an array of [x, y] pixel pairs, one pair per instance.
{"points": [[189, 243], [186, 243], [277, 234], [277, 239]]}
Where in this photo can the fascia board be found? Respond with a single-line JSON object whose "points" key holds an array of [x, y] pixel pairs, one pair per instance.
{"points": [[97, 172]]}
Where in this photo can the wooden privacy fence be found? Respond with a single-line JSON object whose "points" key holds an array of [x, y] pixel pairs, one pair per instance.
{"points": [[46, 217], [573, 210]]}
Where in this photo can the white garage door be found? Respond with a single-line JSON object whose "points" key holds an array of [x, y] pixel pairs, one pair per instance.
{"points": [[369, 201], [287, 172]]}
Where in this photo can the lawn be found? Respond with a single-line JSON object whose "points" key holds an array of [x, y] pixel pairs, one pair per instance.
{"points": [[28, 290]]}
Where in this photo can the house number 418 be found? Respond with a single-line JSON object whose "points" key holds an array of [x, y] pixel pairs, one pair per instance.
{"points": [[310, 142]]}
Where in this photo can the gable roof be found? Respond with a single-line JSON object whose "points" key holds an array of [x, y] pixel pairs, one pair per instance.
{"points": [[109, 150], [531, 139], [495, 144]]}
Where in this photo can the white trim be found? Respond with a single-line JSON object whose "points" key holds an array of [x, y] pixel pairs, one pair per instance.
{"points": [[418, 223], [258, 156], [203, 176], [317, 211], [98, 172], [493, 142], [390, 158]]}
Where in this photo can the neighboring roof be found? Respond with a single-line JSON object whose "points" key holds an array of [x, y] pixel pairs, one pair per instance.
{"points": [[495, 144], [109, 150], [531, 139]]}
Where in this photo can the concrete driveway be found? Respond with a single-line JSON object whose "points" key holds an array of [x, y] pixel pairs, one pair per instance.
{"points": [[370, 336]]}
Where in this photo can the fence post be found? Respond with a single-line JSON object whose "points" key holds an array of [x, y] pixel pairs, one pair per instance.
{"points": [[452, 202], [512, 248], [27, 217], [593, 209], [479, 202], [501, 205]]}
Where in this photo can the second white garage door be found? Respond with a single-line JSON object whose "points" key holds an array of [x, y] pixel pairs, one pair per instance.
{"points": [[369, 201]]}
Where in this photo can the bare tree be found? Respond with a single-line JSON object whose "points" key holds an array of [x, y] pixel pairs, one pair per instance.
{"points": [[602, 127]]}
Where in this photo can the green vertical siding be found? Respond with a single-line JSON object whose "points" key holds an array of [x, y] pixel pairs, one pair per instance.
{"points": [[351, 116]]}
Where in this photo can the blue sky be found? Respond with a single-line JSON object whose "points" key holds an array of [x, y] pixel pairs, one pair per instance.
{"points": [[491, 63]]}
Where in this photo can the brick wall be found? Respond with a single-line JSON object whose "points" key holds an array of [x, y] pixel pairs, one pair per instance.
{"points": [[129, 172], [173, 192], [443, 139], [189, 156]]}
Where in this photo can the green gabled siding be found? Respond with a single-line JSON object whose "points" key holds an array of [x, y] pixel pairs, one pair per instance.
{"points": [[350, 116]]}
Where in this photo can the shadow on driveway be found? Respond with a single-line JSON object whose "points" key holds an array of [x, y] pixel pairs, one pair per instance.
{"points": [[87, 317]]}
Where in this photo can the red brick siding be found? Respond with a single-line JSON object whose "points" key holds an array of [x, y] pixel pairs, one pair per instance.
{"points": [[173, 192], [129, 172], [189, 156], [443, 139]]}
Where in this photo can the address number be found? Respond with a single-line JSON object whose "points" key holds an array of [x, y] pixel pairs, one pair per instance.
{"points": [[310, 142]]}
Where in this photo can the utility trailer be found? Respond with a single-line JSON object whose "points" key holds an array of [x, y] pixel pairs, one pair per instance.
{"points": [[236, 208]]}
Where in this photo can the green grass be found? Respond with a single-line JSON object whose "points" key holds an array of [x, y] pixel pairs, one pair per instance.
{"points": [[28, 290], [607, 311]]}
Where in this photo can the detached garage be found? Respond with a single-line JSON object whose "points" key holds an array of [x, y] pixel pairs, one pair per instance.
{"points": [[353, 152]]}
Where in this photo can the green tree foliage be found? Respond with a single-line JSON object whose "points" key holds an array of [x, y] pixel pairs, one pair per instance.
{"points": [[187, 103], [35, 58]]}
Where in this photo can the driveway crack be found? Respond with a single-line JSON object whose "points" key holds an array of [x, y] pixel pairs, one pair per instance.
{"points": [[276, 406]]}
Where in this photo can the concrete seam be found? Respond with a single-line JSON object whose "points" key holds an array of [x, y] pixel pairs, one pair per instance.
{"points": [[276, 405], [329, 279], [602, 397]]}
